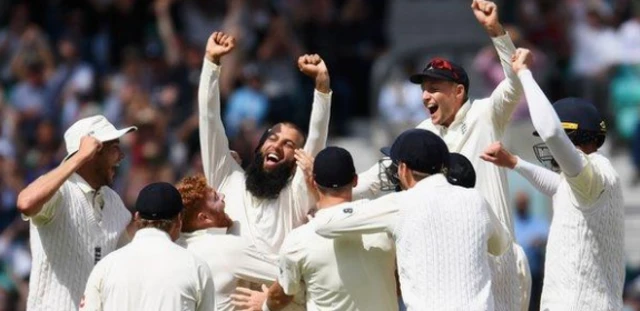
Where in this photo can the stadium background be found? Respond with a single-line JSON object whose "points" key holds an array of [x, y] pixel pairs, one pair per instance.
{"points": [[138, 61]]}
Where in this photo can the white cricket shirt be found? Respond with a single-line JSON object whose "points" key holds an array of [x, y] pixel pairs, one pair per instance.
{"points": [[350, 273], [584, 266], [477, 124], [443, 235], [150, 273], [231, 260], [263, 222], [76, 228]]}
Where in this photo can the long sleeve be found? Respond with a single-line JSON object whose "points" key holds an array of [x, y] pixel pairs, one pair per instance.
{"points": [[316, 141], [506, 96], [543, 179], [546, 122], [586, 182], [217, 161], [376, 216]]}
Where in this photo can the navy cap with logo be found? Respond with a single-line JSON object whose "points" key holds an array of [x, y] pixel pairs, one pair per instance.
{"points": [[158, 201], [581, 119], [333, 168], [442, 69], [461, 172], [420, 150]]}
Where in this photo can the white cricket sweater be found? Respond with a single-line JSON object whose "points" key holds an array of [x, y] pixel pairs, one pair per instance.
{"points": [[444, 235], [265, 223], [476, 125], [584, 267], [64, 248]]}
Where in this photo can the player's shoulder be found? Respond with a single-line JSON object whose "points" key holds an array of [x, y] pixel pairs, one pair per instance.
{"points": [[603, 166]]}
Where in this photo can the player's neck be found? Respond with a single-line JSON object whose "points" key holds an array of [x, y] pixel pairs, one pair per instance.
{"points": [[333, 200]]}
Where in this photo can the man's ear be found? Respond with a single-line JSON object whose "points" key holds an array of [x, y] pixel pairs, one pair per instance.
{"points": [[355, 181], [136, 216]]}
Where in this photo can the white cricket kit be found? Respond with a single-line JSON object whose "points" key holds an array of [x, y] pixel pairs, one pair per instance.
{"points": [[476, 125], [348, 274], [584, 267], [443, 236], [263, 222], [231, 261], [75, 229], [150, 273]]}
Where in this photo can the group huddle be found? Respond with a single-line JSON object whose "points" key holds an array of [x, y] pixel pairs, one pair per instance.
{"points": [[428, 227]]}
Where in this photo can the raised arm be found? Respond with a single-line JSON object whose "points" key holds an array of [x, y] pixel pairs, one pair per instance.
{"points": [[585, 181], [359, 218], [506, 96], [543, 179], [36, 195], [217, 160], [314, 67]]}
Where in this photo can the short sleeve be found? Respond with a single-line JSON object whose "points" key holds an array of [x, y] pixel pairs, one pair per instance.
{"points": [[48, 211]]}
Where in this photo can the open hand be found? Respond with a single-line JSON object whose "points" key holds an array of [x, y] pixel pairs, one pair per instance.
{"points": [[249, 300]]}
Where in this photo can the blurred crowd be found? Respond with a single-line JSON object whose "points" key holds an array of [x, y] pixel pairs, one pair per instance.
{"points": [[138, 63]]}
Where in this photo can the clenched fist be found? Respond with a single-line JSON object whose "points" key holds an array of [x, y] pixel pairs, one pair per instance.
{"points": [[498, 155], [313, 66], [218, 45], [486, 13], [89, 147], [522, 59]]}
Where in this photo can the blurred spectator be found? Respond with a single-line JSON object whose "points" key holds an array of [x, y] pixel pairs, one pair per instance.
{"points": [[531, 233], [400, 103], [632, 296], [10, 39], [487, 64], [247, 103], [596, 49]]}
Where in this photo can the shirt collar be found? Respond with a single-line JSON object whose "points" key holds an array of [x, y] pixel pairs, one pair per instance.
{"points": [[146, 233], [82, 184], [460, 115]]}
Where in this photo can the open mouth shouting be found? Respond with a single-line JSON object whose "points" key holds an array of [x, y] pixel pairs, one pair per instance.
{"points": [[272, 159], [432, 107]]}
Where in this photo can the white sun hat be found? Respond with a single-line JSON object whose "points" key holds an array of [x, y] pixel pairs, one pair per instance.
{"points": [[97, 126]]}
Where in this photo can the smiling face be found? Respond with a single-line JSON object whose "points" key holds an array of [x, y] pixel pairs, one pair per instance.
{"points": [[442, 99], [279, 147]]}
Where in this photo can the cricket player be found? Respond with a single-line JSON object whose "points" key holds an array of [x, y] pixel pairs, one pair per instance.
{"points": [[468, 126], [270, 199], [355, 273], [75, 218], [152, 272], [443, 233], [233, 261], [584, 268]]}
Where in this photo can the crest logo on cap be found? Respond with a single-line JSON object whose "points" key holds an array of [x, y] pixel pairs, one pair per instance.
{"points": [[603, 126]]}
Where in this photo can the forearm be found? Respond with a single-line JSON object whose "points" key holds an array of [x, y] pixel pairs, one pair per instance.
{"points": [[35, 195], [543, 179], [507, 95], [373, 217], [547, 124], [319, 122], [214, 145]]}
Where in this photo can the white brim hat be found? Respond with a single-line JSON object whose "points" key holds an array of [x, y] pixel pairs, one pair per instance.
{"points": [[97, 126]]}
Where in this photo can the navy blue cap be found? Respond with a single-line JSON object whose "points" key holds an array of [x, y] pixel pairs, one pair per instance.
{"points": [[577, 114], [333, 168], [461, 172], [420, 150], [442, 69], [158, 201]]}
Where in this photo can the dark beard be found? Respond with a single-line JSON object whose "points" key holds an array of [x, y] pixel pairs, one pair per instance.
{"points": [[267, 185]]}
